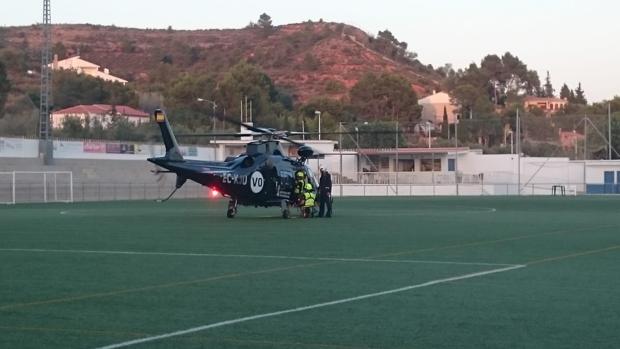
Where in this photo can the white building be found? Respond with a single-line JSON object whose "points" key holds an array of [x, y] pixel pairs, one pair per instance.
{"points": [[81, 66], [104, 113], [433, 108]]}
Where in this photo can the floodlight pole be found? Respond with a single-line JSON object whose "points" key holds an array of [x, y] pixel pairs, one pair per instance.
{"points": [[46, 145], [518, 153], [340, 150], [456, 155], [428, 126], [214, 107], [318, 114], [585, 137], [585, 153], [396, 179]]}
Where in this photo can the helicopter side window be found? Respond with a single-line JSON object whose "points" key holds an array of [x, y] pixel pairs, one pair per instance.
{"points": [[247, 162]]}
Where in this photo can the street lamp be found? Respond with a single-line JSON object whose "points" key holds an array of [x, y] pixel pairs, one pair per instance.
{"points": [[318, 114], [214, 106]]}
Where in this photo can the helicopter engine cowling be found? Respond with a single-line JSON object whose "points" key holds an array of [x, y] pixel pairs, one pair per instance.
{"points": [[305, 152]]}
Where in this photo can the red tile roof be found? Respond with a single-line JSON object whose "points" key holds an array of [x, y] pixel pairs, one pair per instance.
{"points": [[103, 109]]}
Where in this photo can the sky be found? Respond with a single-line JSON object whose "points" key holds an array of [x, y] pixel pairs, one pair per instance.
{"points": [[576, 41]]}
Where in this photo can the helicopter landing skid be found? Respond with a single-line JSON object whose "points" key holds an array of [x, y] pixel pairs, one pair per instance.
{"points": [[169, 196], [232, 209]]}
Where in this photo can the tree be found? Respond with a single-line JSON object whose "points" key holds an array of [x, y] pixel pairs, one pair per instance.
{"points": [[497, 78], [72, 127], [580, 97], [466, 96], [264, 22], [532, 83], [445, 125], [548, 88], [60, 50], [565, 92], [71, 89], [2, 37], [5, 87], [385, 96], [246, 80], [387, 44], [378, 135]]}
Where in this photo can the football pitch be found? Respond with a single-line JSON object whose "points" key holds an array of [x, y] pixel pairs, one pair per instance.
{"points": [[483, 272]]}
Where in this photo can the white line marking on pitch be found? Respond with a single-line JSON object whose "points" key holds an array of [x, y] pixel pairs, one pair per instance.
{"points": [[308, 307], [182, 254]]}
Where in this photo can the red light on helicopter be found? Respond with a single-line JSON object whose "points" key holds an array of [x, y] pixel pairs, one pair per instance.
{"points": [[214, 193]]}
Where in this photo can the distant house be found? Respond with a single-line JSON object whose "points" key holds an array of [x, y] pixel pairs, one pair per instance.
{"points": [[100, 112], [549, 105], [81, 66], [433, 108], [568, 139]]}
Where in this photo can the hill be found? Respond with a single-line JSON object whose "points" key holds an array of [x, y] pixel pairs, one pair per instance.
{"points": [[308, 59]]}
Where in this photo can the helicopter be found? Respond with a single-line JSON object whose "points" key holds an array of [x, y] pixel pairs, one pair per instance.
{"points": [[261, 177]]}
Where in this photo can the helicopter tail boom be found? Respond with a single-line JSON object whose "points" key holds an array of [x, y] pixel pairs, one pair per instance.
{"points": [[172, 147]]}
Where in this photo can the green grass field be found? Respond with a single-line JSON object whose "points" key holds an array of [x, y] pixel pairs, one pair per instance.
{"points": [[383, 273]]}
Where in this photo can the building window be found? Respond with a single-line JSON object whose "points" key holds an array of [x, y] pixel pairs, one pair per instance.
{"points": [[406, 165], [385, 163], [427, 165], [451, 165]]}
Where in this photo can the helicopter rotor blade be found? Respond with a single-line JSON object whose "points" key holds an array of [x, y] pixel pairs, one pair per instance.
{"points": [[215, 135], [250, 127]]}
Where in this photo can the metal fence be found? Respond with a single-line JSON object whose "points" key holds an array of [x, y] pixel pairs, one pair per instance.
{"points": [[93, 192], [21, 191]]}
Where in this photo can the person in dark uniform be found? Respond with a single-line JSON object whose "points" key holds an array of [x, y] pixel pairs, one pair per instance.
{"points": [[325, 193]]}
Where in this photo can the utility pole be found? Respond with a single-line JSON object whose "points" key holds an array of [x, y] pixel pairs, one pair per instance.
{"points": [[46, 148], [609, 128]]}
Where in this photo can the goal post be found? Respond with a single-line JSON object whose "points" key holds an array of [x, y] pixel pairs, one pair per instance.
{"points": [[36, 187], [7, 188]]}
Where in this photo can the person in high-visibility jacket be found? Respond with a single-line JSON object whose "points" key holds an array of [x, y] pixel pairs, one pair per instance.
{"points": [[300, 183], [309, 200]]}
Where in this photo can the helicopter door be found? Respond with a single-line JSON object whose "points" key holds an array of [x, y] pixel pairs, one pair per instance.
{"points": [[286, 183]]}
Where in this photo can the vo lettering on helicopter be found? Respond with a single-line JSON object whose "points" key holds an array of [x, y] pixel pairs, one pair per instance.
{"points": [[233, 178], [257, 182]]}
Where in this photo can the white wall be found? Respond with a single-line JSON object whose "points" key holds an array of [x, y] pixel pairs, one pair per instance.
{"points": [[29, 148], [536, 173], [596, 169]]}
